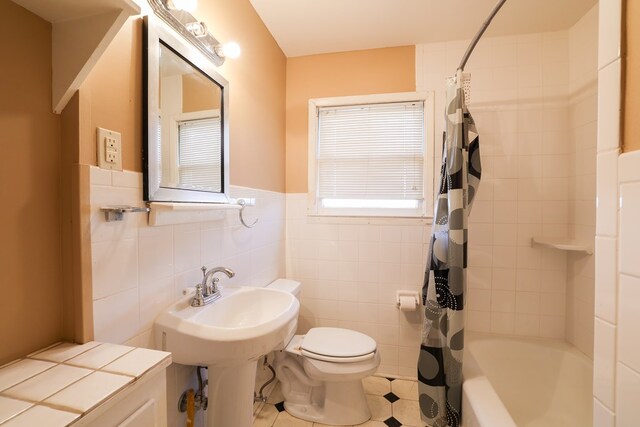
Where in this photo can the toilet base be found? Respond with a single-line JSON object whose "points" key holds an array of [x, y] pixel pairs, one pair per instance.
{"points": [[345, 404]]}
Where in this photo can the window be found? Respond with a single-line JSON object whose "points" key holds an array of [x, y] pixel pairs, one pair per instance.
{"points": [[199, 161], [371, 155]]}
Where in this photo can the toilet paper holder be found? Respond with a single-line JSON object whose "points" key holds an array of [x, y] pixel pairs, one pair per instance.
{"points": [[413, 294]]}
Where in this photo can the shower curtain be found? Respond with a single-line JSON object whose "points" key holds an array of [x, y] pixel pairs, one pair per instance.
{"points": [[440, 359]]}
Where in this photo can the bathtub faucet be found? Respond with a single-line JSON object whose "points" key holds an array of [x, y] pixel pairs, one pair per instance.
{"points": [[207, 291]]}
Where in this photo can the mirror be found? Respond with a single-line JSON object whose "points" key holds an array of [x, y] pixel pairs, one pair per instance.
{"points": [[186, 106]]}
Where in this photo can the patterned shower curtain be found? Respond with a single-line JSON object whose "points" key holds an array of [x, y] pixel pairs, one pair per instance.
{"points": [[440, 360]]}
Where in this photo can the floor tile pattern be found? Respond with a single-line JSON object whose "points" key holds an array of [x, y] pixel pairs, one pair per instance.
{"points": [[393, 403]]}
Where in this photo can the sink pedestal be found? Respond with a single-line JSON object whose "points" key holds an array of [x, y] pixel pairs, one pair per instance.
{"points": [[231, 395]]}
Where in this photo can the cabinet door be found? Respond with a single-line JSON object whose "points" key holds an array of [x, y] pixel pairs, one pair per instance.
{"points": [[145, 416]]}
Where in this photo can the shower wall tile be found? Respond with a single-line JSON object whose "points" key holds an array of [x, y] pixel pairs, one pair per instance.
{"points": [[538, 143], [627, 396], [609, 107], [583, 122], [527, 325], [628, 321], [503, 323], [607, 194], [602, 416], [610, 17], [604, 363], [606, 278], [629, 227], [622, 405]]}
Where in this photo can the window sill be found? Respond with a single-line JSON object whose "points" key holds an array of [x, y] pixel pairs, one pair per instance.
{"points": [[370, 220]]}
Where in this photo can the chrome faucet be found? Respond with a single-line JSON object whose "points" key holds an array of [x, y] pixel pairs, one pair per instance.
{"points": [[207, 291]]}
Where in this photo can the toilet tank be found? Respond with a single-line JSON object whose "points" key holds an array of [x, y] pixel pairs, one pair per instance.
{"points": [[287, 285]]}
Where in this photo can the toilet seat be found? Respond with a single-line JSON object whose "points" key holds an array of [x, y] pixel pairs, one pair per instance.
{"points": [[337, 345], [337, 359]]}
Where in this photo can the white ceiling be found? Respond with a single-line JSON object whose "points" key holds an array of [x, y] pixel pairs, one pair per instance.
{"points": [[306, 27]]}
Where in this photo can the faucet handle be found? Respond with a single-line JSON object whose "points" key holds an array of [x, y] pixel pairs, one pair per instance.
{"points": [[198, 298]]}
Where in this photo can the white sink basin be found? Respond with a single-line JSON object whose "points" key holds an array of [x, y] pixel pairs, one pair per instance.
{"points": [[228, 336], [243, 325]]}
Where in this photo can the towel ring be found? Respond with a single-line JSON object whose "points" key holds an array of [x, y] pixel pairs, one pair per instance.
{"points": [[242, 204]]}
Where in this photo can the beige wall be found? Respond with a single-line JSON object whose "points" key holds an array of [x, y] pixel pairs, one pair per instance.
{"points": [[337, 74], [199, 94], [30, 260], [631, 135], [113, 97]]}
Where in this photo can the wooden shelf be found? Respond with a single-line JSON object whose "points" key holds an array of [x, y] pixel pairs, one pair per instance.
{"points": [[81, 32], [563, 244]]}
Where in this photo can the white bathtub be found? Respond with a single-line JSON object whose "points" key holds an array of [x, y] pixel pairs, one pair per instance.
{"points": [[525, 383]]}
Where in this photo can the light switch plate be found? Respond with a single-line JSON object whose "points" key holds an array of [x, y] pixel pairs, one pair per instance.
{"points": [[109, 149]]}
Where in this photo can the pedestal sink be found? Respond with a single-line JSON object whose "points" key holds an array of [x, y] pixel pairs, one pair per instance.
{"points": [[228, 336]]}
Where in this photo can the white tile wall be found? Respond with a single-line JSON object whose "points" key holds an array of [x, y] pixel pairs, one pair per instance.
{"points": [[609, 403], [138, 270], [629, 319], [350, 272], [610, 34], [539, 148], [602, 416], [606, 278], [604, 358], [534, 101], [508, 82], [627, 396], [583, 84], [630, 228], [628, 366]]}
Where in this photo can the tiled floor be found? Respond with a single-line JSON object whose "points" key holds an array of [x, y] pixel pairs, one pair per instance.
{"points": [[393, 403]]}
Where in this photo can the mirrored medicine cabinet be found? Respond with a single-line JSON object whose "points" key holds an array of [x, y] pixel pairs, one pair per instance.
{"points": [[186, 126]]}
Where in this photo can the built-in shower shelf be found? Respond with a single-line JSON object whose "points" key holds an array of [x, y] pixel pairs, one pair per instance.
{"points": [[563, 244]]}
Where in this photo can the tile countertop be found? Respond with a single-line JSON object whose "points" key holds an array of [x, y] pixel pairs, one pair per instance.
{"points": [[59, 385]]}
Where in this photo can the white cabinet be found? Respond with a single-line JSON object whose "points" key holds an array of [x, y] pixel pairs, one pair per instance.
{"points": [[141, 404], [145, 416]]}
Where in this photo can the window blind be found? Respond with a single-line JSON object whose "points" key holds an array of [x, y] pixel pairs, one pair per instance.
{"points": [[371, 152], [199, 159]]}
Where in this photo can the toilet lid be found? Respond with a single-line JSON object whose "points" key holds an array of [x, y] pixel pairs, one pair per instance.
{"points": [[337, 342]]}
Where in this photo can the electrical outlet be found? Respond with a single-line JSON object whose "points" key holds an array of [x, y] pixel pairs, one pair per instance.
{"points": [[109, 149]]}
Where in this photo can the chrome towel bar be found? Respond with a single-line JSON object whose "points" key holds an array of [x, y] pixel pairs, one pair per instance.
{"points": [[116, 213]]}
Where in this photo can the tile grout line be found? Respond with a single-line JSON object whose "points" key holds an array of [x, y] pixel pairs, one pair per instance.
{"points": [[56, 364], [394, 398]]}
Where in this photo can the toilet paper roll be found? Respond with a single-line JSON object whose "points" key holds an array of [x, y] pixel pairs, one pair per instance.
{"points": [[408, 303]]}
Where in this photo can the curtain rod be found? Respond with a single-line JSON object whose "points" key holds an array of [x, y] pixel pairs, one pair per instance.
{"points": [[476, 39]]}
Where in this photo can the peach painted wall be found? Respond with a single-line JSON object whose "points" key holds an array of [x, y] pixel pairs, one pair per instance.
{"points": [[112, 97], [631, 107], [363, 72], [30, 259], [198, 94]]}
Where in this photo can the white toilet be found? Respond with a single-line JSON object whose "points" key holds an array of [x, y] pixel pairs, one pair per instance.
{"points": [[321, 372]]}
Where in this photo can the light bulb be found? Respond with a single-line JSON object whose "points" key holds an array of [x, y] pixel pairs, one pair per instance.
{"points": [[198, 29], [231, 50], [188, 5]]}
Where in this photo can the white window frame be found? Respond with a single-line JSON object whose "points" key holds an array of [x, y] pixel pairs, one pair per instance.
{"points": [[426, 211]]}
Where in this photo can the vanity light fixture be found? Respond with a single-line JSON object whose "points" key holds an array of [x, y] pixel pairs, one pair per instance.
{"points": [[177, 13], [198, 29], [188, 5]]}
